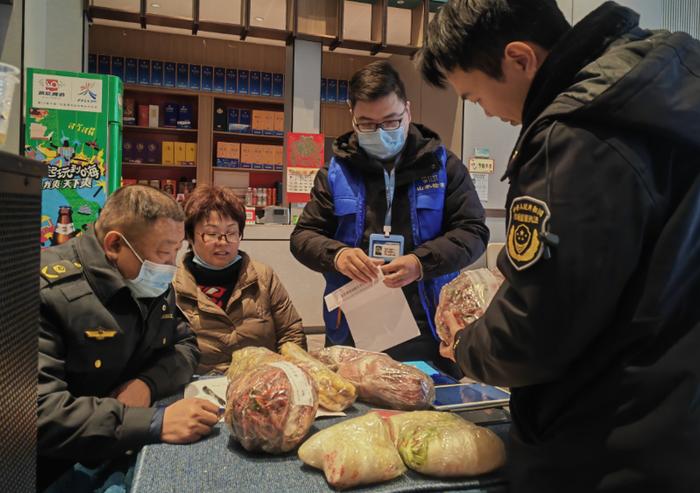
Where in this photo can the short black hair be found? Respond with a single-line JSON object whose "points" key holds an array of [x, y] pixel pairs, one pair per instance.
{"points": [[473, 34], [374, 81]]}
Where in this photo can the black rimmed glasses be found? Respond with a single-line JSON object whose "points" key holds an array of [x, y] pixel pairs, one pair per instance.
{"points": [[214, 237], [369, 127]]}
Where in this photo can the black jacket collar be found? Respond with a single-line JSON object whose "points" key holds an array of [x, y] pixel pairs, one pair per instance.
{"points": [[103, 277]]}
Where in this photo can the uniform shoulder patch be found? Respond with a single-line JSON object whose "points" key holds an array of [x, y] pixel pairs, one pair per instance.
{"points": [[57, 271], [527, 219]]}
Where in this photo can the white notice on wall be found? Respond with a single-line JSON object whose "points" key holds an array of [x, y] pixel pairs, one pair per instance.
{"points": [[481, 183]]}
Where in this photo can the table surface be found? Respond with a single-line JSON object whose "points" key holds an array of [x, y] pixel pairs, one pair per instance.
{"points": [[219, 464]]}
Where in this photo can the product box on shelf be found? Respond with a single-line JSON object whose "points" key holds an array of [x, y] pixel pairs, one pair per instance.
{"points": [[269, 122], [279, 158], [245, 120], [247, 156], [342, 91], [278, 124], [92, 63], [143, 182], [153, 152], [156, 73], [220, 116], [184, 116], [129, 181], [104, 65], [118, 66], [278, 85], [243, 81], [231, 81], [250, 215], [180, 153], [254, 85], [228, 154], [324, 90], [142, 115], [331, 90], [170, 114], [129, 112], [168, 157], [139, 155], [257, 122], [183, 73], [127, 151], [170, 187], [265, 84], [207, 77], [232, 119], [169, 74], [191, 153], [154, 183], [131, 70], [195, 76], [153, 115], [144, 72], [219, 84]]}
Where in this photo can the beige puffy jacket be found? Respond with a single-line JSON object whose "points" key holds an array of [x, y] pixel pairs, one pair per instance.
{"points": [[259, 313]]}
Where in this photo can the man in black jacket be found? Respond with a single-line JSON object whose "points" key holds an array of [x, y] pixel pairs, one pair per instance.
{"points": [[112, 341], [390, 178], [597, 325]]}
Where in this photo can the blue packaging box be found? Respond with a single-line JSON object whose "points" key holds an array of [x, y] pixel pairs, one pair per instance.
{"points": [[244, 120], [144, 72], [170, 114], [243, 81], [207, 77], [279, 167], [92, 63], [195, 76], [266, 84], [232, 120], [268, 167], [332, 90], [219, 79], [169, 74], [184, 116], [246, 165], [183, 74], [278, 85], [231, 81], [324, 87], [156, 73], [254, 87], [131, 71], [118, 66], [220, 115], [127, 151], [342, 91], [257, 166], [103, 65]]}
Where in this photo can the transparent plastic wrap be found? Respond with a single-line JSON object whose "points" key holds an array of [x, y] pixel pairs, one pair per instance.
{"points": [[354, 452], [443, 444], [383, 381], [335, 393], [467, 296], [246, 359], [271, 407], [334, 355]]}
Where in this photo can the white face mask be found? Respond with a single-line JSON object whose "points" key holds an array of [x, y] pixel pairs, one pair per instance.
{"points": [[153, 280]]}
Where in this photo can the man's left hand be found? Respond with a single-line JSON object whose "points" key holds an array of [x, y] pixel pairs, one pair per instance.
{"points": [[401, 271], [453, 327], [134, 393]]}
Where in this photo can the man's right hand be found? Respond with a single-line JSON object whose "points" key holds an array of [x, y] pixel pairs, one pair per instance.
{"points": [[188, 420], [355, 264]]}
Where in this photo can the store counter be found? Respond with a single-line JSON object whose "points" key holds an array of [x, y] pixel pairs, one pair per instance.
{"points": [[219, 464]]}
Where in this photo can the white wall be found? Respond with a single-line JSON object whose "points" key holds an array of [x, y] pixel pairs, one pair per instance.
{"points": [[12, 54], [53, 34]]}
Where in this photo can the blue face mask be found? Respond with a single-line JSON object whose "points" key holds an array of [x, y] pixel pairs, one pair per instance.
{"points": [[200, 261], [382, 144], [153, 279]]}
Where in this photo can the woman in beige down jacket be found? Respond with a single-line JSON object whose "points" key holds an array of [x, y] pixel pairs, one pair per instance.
{"points": [[231, 300]]}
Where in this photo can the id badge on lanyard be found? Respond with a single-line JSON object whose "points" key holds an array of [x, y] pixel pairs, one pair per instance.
{"points": [[387, 246]]}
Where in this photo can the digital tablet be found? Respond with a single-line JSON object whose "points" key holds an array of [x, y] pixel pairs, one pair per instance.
{"points": [[469, 396], [436, 375]]}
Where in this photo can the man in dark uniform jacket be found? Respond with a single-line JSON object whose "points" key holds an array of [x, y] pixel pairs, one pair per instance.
{"points": [[111, 339], [597, 325]]}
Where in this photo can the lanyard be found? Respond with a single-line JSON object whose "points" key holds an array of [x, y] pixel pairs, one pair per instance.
{"points": [[390, 182]]}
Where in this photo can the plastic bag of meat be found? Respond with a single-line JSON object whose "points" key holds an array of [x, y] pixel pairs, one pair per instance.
{"points": [[334, 355], [354, 452], [246, 359], [443, 444], [383, 381], [467, 296], [271, 407], [335, 393]]}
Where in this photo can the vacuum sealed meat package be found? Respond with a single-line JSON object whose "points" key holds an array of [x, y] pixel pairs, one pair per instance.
{"points": [[271, 407], [467, 296], [443, 444], [354, 452], [335, 393]]}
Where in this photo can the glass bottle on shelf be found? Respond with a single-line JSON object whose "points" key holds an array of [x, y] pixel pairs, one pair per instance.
{"points": [[249, 197]]}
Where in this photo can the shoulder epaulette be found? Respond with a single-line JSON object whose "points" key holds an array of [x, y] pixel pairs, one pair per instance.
{"points": [[57, 271]]}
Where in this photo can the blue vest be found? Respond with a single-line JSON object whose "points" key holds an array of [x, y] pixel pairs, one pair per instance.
{"points": [[427, 201]]}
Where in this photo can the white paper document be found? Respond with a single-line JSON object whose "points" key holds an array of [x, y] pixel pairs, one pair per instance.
{"points": [[379, 317]]}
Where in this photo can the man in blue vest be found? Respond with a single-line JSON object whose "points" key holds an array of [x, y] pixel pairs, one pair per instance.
{"points": [[392, 197]]}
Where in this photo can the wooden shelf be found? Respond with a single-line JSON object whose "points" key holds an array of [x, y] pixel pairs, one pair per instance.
{"points": [[274, 138], [194, 93], [156, 166], [168, 130], [241, 170]]}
